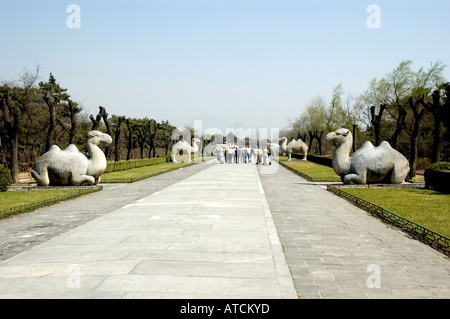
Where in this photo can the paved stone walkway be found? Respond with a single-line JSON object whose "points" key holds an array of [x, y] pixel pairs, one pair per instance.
{"points": [[210, 235], [214, 231]]}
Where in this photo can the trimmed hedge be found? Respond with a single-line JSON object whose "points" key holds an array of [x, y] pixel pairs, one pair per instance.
{"points": [[437, 176], [124, 165], [5, 179]]}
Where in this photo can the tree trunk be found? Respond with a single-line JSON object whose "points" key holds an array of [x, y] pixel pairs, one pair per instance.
{"points": [[418, 120], [15, 157], [438, 110], [318, 137], [437, 141], [73, 122], [311, 138], [11, 121], [376, 122], [95, 121], [141, 140], [399, 126], [355, 131], [320, 142], [108, 129], [117, 134], [167, 140], [51, 103], [130, 139], [153, 127]]}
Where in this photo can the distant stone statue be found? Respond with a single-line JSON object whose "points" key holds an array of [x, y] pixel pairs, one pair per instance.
{"points": [[70, 166], [294, 145], [369, 164], [186, 148]]}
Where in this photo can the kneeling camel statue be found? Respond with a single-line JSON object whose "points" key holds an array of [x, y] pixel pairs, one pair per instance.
{"points": [[70, 166], [369, 164]]}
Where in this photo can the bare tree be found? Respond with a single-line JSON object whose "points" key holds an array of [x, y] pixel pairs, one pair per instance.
{"points": [[378, 97], [376, 121], [400, 83], [440, 108], [350, 113], [72, 111], [419, 114], [117, 133]]}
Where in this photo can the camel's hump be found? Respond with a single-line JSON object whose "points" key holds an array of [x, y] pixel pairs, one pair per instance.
{"points": [[71, 148], [385, 144], [54, 148]]}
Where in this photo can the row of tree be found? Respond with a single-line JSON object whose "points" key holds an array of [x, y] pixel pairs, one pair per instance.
{"points": [[408, 108], [34, 116]]}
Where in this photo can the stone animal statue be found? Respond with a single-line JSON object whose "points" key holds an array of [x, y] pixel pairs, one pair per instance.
{"points": [[70, 166], [186, 148], [369, 164], [294, 145]]}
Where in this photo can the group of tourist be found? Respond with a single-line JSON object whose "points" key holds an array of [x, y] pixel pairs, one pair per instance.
{"points": [[234, 154]]}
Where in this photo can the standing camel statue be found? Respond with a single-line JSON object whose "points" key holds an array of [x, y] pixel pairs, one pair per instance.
{"points": [[186, 148], [294, 145], [70, 166], [369, 164]]}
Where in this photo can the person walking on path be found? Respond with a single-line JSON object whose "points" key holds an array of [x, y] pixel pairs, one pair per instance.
{"points": [[245, 153], [269, 152]]}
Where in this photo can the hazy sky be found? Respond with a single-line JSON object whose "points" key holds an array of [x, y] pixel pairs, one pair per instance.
{"points": [[229, 63]]}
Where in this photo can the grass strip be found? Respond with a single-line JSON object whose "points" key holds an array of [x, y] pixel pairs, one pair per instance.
{"points": [[310, 171], [18, 202], [425, 207], [136, 174]]}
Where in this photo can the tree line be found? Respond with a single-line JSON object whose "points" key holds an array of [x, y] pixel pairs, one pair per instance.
{"points": [[408, 108], [34, 116]]}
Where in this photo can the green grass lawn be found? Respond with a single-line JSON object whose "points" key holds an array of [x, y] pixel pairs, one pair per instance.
{"points": [[317, 172], [17, 202], [135, 174], [425, 207]]}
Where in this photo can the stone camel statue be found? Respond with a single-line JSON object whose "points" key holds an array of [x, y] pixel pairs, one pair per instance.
{"points": [[369, 164], [294, 145], [186, 148], [70, 166]]}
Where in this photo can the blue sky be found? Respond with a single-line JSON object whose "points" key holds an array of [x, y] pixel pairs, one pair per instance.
{"points": [[230, 63]]}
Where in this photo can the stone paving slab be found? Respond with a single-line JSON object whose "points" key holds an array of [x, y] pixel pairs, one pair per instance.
{"points": [[209, 235], [335, 250]]}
